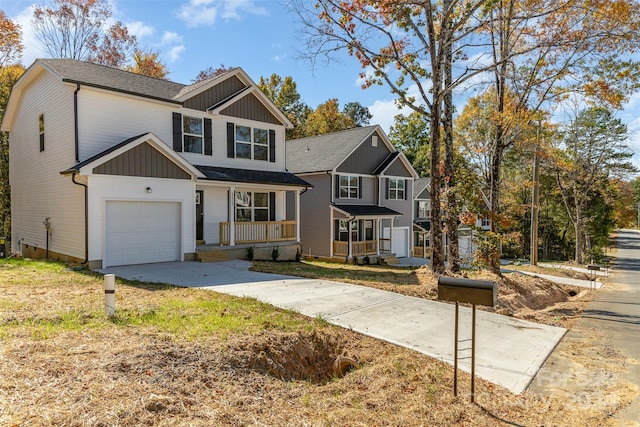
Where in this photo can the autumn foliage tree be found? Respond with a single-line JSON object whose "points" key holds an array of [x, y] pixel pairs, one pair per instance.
{"points": [[148, 64], [283, 92], [77, 29]]}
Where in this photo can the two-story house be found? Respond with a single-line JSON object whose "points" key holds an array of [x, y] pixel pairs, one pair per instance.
{"points": [[110, 168], [361, 201]]}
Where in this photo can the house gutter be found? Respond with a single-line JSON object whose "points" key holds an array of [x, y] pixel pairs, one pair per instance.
{"points": [[86, 217], [75, 123]]}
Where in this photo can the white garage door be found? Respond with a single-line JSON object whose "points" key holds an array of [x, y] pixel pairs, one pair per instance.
{"points": [[400, 242], [141, 232]]}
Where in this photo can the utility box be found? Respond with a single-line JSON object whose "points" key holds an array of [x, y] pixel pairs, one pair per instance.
{"points": [[455, 289]]}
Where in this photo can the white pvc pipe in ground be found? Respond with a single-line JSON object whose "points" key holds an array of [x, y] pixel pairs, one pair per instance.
{"points": [[109, 295]]}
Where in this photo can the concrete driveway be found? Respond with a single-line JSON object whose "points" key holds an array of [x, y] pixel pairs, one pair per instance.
{"points": [[509, 352]]}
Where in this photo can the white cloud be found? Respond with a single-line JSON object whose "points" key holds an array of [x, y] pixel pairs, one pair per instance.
{"points": [[170, 37], [140, 29], [205, 12], [175, 52], [383, 112]]}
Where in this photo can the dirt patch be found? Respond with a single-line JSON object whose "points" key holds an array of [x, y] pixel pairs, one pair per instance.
{"points": [[308, 356]]}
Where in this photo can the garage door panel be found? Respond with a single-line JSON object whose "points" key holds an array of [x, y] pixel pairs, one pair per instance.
{"points": [[142, 232]]}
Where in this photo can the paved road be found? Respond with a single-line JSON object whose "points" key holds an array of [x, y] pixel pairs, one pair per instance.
{"points": [[611, 321]]}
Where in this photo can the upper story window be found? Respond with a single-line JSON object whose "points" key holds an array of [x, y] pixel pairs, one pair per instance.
{"points": [[41, 131], [396, 189], [252, 206], [252, 143], [192, 131], [486, 222], [349, 187], [424, 209]]}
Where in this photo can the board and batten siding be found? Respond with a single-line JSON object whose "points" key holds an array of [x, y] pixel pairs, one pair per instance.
{"points": [[366, 158], [142, 160], [315, 216], [218, 93], [103, 188], [368, 194], [38, 191]]}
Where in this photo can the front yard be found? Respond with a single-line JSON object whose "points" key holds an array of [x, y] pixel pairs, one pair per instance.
{"points": [[174, 356]]}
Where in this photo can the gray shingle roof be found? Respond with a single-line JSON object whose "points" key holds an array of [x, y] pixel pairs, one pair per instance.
{"points": [[251, 176], [324, 152], [101, 76], [367, 210], [419, 185]]}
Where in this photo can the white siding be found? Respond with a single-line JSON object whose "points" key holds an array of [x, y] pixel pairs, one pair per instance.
{"points": [[215, 211], [106, 119], [38, 189], [103, 188]]}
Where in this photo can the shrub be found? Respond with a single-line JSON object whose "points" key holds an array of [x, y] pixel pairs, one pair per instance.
{"points": [[250, 253], [275, 253]]}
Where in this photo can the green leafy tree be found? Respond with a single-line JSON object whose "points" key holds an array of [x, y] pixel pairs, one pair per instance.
{"points": [[593, 149], [359, 113], [284, 94], [410, 134], [327, 118]]}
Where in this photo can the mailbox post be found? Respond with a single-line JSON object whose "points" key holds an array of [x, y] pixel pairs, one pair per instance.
{"points": [[473, 292]]}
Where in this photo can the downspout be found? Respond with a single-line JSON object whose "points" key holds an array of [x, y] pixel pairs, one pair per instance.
{"points": [[86, 217], [75, 122]]}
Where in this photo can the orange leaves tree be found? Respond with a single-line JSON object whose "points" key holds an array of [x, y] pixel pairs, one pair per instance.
{"points": [[77, 29]]}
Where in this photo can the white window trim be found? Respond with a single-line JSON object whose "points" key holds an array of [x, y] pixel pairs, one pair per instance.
{"points": [[201, 136], [252, 144], [252, 206], [396, 192], [349, 187]]}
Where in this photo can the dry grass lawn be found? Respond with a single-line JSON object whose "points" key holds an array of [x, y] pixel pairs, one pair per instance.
{"points": [[186, 357]]}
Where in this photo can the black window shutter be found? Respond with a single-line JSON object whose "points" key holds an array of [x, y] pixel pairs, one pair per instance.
{"points": [[359, 187], [208, 137], [337, 186], [272, 206], [177, 132], [272, 145], [406, 188], [231, 140], [386, 190]]}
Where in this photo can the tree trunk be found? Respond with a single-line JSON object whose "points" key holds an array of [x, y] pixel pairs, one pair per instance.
{"points": [[453, 253], [437, 256]]}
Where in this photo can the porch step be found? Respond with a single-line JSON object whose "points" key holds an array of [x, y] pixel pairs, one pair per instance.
{"points": [[389, 259], [212, 256]]}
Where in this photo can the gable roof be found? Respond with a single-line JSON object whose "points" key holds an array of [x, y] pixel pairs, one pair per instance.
{"points": [[86, 166], [419, 185], [101, 76], [324, 152], [116, 80]]}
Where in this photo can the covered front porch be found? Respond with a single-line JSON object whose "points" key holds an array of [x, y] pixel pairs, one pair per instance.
{"points": [[358, 230], [240, 208]]}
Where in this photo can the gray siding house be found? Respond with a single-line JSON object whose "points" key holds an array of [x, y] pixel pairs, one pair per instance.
{"points": [[361, 202]]}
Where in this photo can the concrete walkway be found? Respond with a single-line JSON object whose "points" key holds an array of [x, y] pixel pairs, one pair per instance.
{"points": [[509, 351]]}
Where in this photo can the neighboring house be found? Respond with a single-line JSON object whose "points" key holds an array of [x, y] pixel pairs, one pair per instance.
{"points": [[422, 225], [422, 218], [110, 168], [361, 201]]}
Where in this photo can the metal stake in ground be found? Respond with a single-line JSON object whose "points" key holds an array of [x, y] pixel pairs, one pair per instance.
{"points": [[472, 292]]}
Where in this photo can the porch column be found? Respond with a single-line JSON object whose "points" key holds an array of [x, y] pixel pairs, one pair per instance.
{"points": [[392, 220], [349, 239], [298, 216], [377, 235], [232, 216]]}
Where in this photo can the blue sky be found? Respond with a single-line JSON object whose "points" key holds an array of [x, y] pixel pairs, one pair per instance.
{"points": [[261, 36]]}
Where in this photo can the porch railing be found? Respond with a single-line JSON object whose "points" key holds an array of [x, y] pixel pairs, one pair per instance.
{"points": [[368, 247], [258, 232], [419, 252]]}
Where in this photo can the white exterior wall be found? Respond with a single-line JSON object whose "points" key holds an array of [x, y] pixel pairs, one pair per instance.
{"points": [[107, 118], [216, 210], [38, 191], [103, 188]]}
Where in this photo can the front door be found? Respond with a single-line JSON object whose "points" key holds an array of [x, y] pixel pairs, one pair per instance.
{"points": [[199, 215]]}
